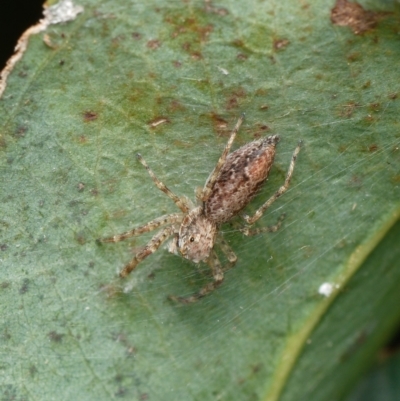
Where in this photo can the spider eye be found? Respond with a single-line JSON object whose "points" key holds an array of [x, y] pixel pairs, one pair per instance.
{"points": [[191, 239]]}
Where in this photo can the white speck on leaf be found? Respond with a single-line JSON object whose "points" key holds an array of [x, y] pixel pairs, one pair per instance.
{"points": [[223, 70], [326, 289]]}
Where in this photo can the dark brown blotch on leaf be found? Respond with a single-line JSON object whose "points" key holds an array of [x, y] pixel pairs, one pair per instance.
{"points": [[219, 123], [89, 116], [373, 147], [353, 15]]}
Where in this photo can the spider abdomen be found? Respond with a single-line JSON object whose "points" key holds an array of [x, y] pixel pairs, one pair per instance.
{"points": [[242, 175]]}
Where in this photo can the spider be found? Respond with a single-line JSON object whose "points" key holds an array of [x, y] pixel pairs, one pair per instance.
{"points": [[232, 184]]}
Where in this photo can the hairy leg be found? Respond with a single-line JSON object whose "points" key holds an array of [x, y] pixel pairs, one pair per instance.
{"points": [[218, 276], [278, 193], [212, 179], [227, 251], [181, 202], [270, 229], [150, 226], [148, 249]]}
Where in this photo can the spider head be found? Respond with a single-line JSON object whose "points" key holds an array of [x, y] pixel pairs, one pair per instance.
{"points": [[196, 236]]}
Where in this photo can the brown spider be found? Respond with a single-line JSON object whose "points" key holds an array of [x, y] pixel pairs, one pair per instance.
{"points": [[235, 180]]}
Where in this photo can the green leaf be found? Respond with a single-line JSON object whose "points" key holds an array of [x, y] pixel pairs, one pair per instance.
{"points": [[382, 383], [91, 93]]}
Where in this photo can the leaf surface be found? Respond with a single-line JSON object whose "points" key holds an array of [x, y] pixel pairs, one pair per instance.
{"points": [[91, 94]]}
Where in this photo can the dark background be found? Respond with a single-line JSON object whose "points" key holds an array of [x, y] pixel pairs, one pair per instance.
{"points": [[15, 17]]}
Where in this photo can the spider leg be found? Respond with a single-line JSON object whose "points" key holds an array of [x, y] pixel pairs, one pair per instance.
{"points": [[212, 179], [218, 276], [278, 193], [270, 229], [181, 202], [228, 252], [148, 249], [150, 226]]}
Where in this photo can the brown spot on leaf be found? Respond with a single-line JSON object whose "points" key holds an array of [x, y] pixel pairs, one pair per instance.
{"points": [[393, 96], [352, 57], [82, 139], [89, 116], [25, 286], [215, 10], [153, 44], [20, 131], [80, 238], [261, 131], [118, 378], [219, 123], [33, 370], [375, 106], [110, 290], [178, 32], [22, 74], [175, 105], [280, 44], [55, 337], [136, 35], [347, 110], [373, 147], [3, 144], [117, 40], [186, 46], [6, 335], [196, 56], [184, 26], [256, 368], [353, 15], [242, 57], [367, 84], [233, 99], [121, 392], [356, 181], [238, 43]]}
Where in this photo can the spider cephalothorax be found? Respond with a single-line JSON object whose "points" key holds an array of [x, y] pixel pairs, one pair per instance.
{"points": [[196, 236], [232, 184]]}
